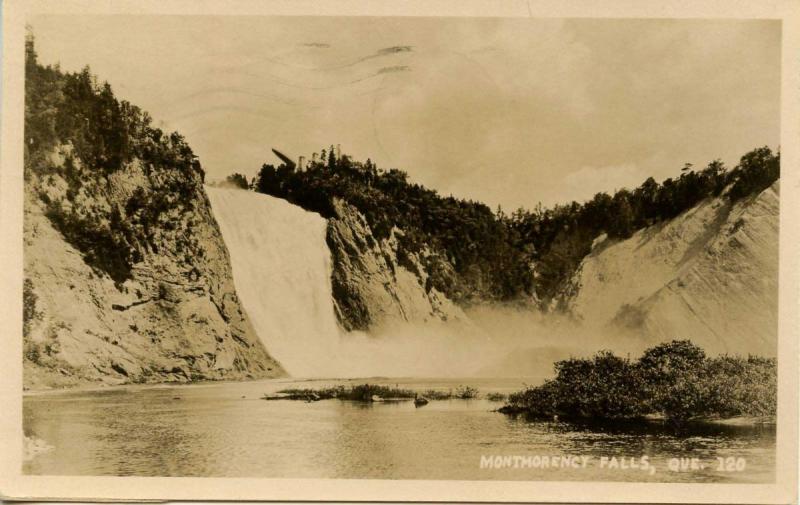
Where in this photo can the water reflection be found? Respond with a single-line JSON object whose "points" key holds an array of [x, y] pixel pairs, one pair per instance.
{"points": [[225, 430]]}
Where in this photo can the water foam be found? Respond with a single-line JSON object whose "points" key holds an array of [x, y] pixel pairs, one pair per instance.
{"points": [[281, 268], [282, 271]]}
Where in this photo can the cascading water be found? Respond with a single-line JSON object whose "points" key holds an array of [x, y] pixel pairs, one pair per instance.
{"points": [[281, 268], [282, 271]]}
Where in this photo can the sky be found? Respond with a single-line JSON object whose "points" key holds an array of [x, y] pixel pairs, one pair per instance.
{"points": [[508, 111]]}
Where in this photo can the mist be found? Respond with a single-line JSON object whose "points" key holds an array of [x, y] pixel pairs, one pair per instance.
{"points": [[282, 271], [495, 341]]}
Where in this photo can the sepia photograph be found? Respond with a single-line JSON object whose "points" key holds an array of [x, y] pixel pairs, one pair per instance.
{"points": [[374, 250]]}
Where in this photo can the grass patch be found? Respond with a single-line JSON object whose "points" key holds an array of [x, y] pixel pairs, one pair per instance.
{"points": [[466, 392], [367, 393], [433, 394], [359, 393], [460, 393]]}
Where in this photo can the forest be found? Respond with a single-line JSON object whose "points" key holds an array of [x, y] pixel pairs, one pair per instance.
{"points": [[499, 256], [527, 254], [101, 135]]}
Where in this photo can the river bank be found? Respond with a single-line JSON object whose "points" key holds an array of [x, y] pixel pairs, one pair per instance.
{"points": [[224, 429]]}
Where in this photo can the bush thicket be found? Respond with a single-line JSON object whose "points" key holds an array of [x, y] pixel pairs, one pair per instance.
{"points": [[674, 379]]}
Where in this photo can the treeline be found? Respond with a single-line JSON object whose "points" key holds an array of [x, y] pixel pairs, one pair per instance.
{"points": [[495, 255], [563, 236], [101, 135], [675, 380], [480, 247], [105, 133]]}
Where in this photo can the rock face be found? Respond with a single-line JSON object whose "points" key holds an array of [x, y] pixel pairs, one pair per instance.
{"points": [[176, 317], [710, 275], [373, 283]]}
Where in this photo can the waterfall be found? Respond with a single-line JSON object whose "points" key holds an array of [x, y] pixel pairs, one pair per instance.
{"points": [[281, 268], [282, 271]]}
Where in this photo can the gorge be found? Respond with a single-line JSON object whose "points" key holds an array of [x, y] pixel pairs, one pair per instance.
{"points": [[137, 271]]}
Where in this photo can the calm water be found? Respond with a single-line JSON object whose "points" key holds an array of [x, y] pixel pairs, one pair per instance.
{"points": [[225, 430]]}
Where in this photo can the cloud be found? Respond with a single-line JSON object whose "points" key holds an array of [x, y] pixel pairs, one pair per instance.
{"points": [[585, 182], [320, 45], [505, 111], [396, 68], [393, 50]]}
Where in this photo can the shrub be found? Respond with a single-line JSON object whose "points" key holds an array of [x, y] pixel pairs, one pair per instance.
{"points": [[674, 379], [734, 386], [433, 394], [30, 313], [466, 392], [237, 181], [672, 374], [32, 352], [536, 401]]}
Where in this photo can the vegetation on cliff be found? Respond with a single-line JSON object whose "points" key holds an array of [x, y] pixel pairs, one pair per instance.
{"points": [[127, 279], [673, 379], [101, 135], [467, 234], [497, 256]]}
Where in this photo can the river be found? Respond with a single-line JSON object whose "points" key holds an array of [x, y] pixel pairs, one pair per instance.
{"points": [[226, 430]]}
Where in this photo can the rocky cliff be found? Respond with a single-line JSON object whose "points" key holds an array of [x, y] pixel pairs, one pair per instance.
{"points": [[173, 316], [374, 283], [126, 276], [710, 275]]}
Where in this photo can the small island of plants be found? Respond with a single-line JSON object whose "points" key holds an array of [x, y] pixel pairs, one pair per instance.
{"points": [[674, 380], [370, 393]]}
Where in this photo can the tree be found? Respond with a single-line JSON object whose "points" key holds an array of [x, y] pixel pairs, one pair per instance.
{"points": [[268, 182], [622, 218], [331, 159], [237, 180], [645, 207], [756, 171], [29, 309], [672, 374], [715, 174]]}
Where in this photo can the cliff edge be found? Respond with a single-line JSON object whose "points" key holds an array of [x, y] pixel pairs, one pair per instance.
{"points": [[375, 284], [176, 318], [710, 275], [126, 276]]}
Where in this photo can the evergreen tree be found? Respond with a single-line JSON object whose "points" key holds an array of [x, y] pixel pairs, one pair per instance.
{"points": [[622, 218], [331, 159]]}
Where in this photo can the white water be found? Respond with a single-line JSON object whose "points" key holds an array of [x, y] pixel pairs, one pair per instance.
{"points": [[282, 270]]}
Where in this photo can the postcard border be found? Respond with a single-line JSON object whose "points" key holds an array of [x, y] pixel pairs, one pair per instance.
{"points": [[15, 485]]}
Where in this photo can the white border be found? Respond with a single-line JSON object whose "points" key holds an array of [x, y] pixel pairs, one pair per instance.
{"points": [[14, 484]]}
